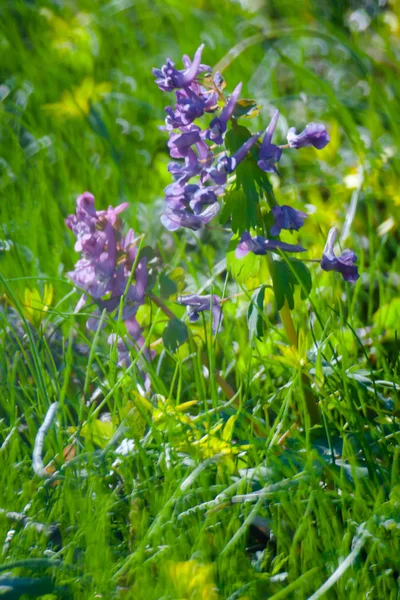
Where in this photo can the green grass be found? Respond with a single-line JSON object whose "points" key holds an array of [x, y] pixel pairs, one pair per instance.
{"points": [[223, 498]]}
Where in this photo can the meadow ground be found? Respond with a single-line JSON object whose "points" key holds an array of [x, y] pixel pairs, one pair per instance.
{"points": [[203, 487]]}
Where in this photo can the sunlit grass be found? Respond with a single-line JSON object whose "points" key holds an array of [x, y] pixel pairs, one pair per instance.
{"points": [[188, 493]]}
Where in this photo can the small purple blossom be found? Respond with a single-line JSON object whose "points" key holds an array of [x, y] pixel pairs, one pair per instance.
{"points": [[204, 196], [314, 134], [174, 218], [269, 153], [180, 143], [168, 78], [173, 120], [197, 304], [219, 81], [190, 205], [182, 172], [193, 165], [189, 105], [192, 195], [193, 103], [344, 264], [288, 218], [219, 124], [260, 246]]}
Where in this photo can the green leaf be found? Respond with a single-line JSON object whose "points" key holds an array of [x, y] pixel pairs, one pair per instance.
{"points": [[246, 108], [388, 315], [285, 278], [171, 283], [97, 432], [237, 208], [235, 138], [12, 588], [255, 319], [227, 432], [147, 252], [283, 284], [175, 334], [303, 277], [168, 287], [242, 203]]}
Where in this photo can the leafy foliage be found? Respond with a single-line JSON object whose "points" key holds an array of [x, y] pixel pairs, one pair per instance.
{"points": [[255, 318], [175, 334], [285, 277]]}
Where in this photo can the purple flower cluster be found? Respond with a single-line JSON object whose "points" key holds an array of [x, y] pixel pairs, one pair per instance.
{"points": [[200, 169], [195, 205], [104, 271]]}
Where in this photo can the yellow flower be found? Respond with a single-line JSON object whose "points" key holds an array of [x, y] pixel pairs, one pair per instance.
{"points": [[34, 306], [76, 104], [193, 581], [295, 357], [74, 40]]}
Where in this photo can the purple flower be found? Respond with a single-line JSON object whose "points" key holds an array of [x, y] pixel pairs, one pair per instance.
{"points": [[174, 218], [203, 196], [180, 143], [286, 217], [314, 134], [227, 164], [197, 304], [189, 105], [180, 198], [97, 241], [182, 172], [173, 120], [169, 78], [88, 277], [343, 264], [194, 165], [193, 103], [260, 246], [84, 222], [105, 272], [192, 195], [107, 258], [218, 124], [269, 153]]}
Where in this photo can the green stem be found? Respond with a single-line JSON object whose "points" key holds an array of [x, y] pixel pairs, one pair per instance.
{"points": [[290, 330], [229, 392], [224, 385], [311, 403], [288, 324]]}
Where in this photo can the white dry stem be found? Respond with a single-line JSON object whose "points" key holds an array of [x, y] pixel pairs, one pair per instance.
{"points": [[348, 561], [37, 460]]}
